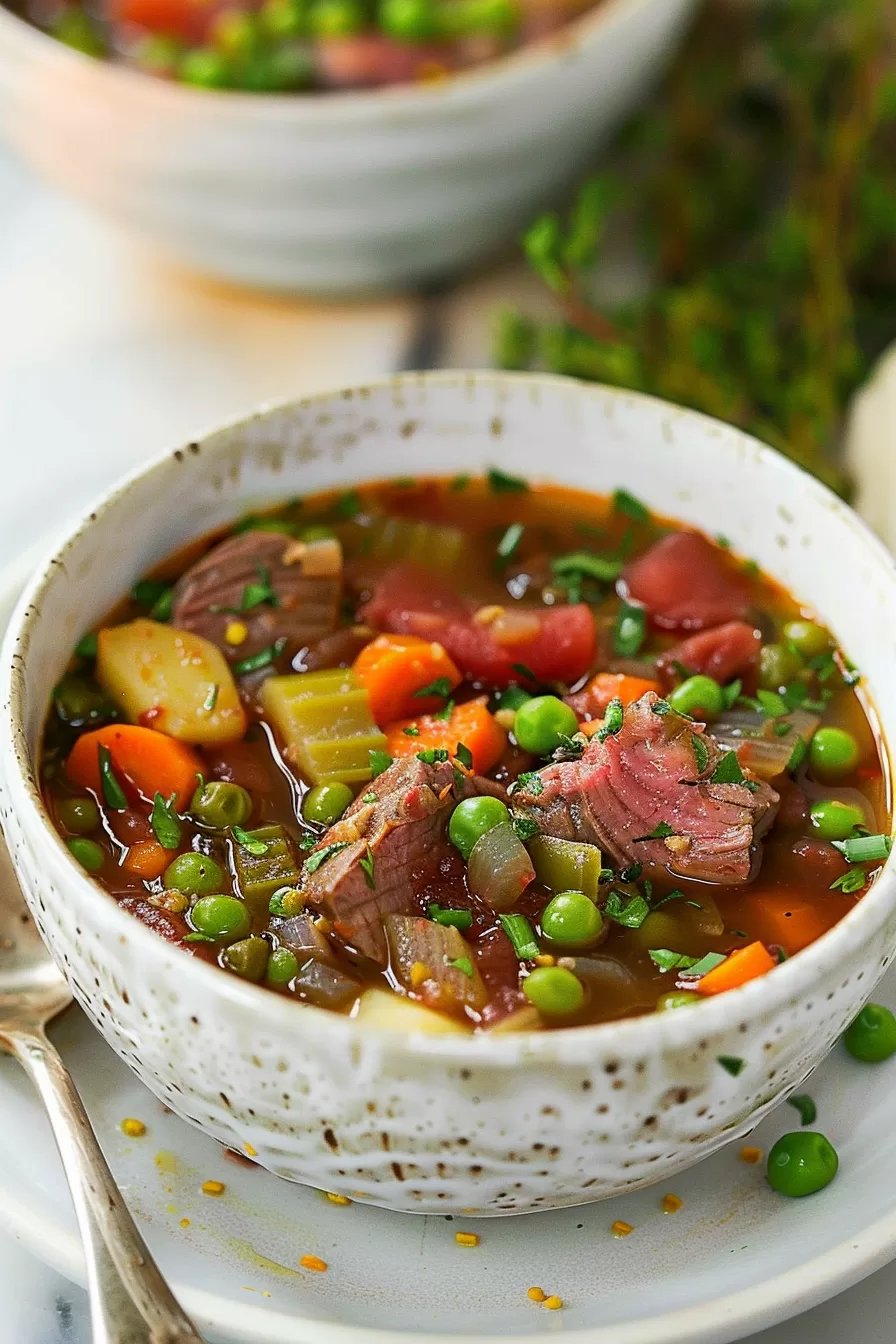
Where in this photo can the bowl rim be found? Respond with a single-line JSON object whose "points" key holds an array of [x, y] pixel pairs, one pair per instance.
{"points": [[475, 85], [577, 1046]]}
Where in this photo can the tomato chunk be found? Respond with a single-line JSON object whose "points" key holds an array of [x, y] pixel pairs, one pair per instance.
{"points": [[686, 583], [724, 652]]}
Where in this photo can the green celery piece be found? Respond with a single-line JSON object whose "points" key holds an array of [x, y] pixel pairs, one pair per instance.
{"points": [[566, 865], [325, 721], [400, 539], [260, 875]]}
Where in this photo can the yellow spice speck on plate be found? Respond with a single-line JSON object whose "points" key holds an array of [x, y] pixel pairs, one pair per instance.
{"points": [[135, 1129], [536, 1294], [314, 1262], [621, 1229], [253, 1152], [185, 1222], [466, 1238], [750, 1155], [337, 1199], [671, 1203], [213, 1188], [553, 1303]]}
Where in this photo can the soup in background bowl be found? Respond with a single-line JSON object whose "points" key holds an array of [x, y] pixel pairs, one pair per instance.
{"points": [[587, 634]]}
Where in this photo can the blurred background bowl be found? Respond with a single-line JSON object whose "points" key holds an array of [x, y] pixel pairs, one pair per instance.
{"points": [[337, 193]]}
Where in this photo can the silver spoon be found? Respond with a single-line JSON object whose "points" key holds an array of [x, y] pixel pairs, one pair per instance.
{"points": [[130, 1302]]}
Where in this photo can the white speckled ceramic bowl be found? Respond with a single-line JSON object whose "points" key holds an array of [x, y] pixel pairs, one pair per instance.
{"points": [[339, 193], [495, 1124]]}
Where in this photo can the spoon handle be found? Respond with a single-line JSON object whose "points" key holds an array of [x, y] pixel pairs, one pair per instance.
{"points": [[130, 1302]]}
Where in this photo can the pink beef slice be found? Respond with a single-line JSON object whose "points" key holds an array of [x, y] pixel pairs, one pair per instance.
{"points": [[687, 583], [645, 777], [403, 832], [209, 595]]}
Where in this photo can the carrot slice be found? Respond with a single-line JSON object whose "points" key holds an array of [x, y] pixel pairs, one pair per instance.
{"points": [[793, 922], [393, 669], [607, 686], [747, 963], [149, 761], [470, 724], [147, 859]]}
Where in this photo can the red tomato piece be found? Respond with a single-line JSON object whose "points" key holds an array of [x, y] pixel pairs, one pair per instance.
{"points": [[726, 651], [687, 583]]}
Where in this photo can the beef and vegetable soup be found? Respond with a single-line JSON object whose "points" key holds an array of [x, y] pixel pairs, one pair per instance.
{"points": [[469, 754]]}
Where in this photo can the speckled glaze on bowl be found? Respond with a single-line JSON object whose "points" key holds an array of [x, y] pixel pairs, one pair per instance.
{"points": [[337, 193], [485, 1125]]}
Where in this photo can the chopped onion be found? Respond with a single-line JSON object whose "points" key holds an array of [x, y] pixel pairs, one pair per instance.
{"points": [[435, 962], [318, 559], [326, 986], [760, 747], [515, 627], [500, 869]]}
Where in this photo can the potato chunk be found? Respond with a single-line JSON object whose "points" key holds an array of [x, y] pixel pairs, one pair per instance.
{"points": [[171, 680], [385, 1009]]}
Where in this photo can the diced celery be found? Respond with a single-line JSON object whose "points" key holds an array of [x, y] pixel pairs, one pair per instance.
{"points": [[260, 874], [416, 543], [325, 721], [566, 865]]}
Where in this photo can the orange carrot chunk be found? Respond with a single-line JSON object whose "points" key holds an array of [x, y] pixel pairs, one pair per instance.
{"points": [[469, 724], [607, 686], [791, 921], [394, 669], [747, 963], [148, 761], [147, 859]]}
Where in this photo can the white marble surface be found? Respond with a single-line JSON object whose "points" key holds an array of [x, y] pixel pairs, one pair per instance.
{"points": [[105, 356]]}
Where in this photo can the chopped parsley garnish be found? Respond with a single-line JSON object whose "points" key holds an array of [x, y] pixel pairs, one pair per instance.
{"points": [[530, 781], [456, 919], [314, 861], [379, 761], [525, 827], [309, 840], [348, 505], [459, 482], [731, 1064], [165, 822], [731, 692], [728, 770], [366, 864], [509, 543], [256, 661], [850, 882], [666, 960], [502, 484], [583, 564], [865, 848], [463, 964], [433, 756], [659, 832], [249, 842], [521, 934], [806, 1107], [148, 591], [661, 708], [211, 699], [570, 748], [441, 687], [632, 873], [285, 902], [607, 874], [782, 729], [261, 593], [445, 713], [411, 731], [405, 482], [771, 704], [629, 631], [613, 720], [629, 911], [723, 541], [625, 503], [86, 647], [525, 672], [113, 793], [464, 755], [701, 754], [675, 895], [798, 755], [198, 938], [706, 964], [370, 797]]}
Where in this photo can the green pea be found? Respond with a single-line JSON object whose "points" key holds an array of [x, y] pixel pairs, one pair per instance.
{"points": [[801, 1164], [513, 698], [833, 753], [234, 32], [276, 71], [778, 665], [676, 998], [554, 991], [701, 697], [807, 637], [157, 53], [88, 853], [336, 18], [317, 532], [205, 68], [220, 805], [472, 818], [542, 723], [832, 820], [76, 29], [221, 918], [487, 18], [872, 1037], [407, 20], [194, 875], [79, 815], [248, 958], [80, 703], [284, 18], [325, 803], [282, 967], [572, 920]]}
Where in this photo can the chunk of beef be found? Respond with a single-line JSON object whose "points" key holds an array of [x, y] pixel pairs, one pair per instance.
{"points": [[686, 583], [726, 651], [554, 643], [647, 779], [278, 588], [169, 925], [392, 845]]}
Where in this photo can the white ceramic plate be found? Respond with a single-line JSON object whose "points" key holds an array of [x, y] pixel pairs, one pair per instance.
{"points": [[735, 1258]]}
